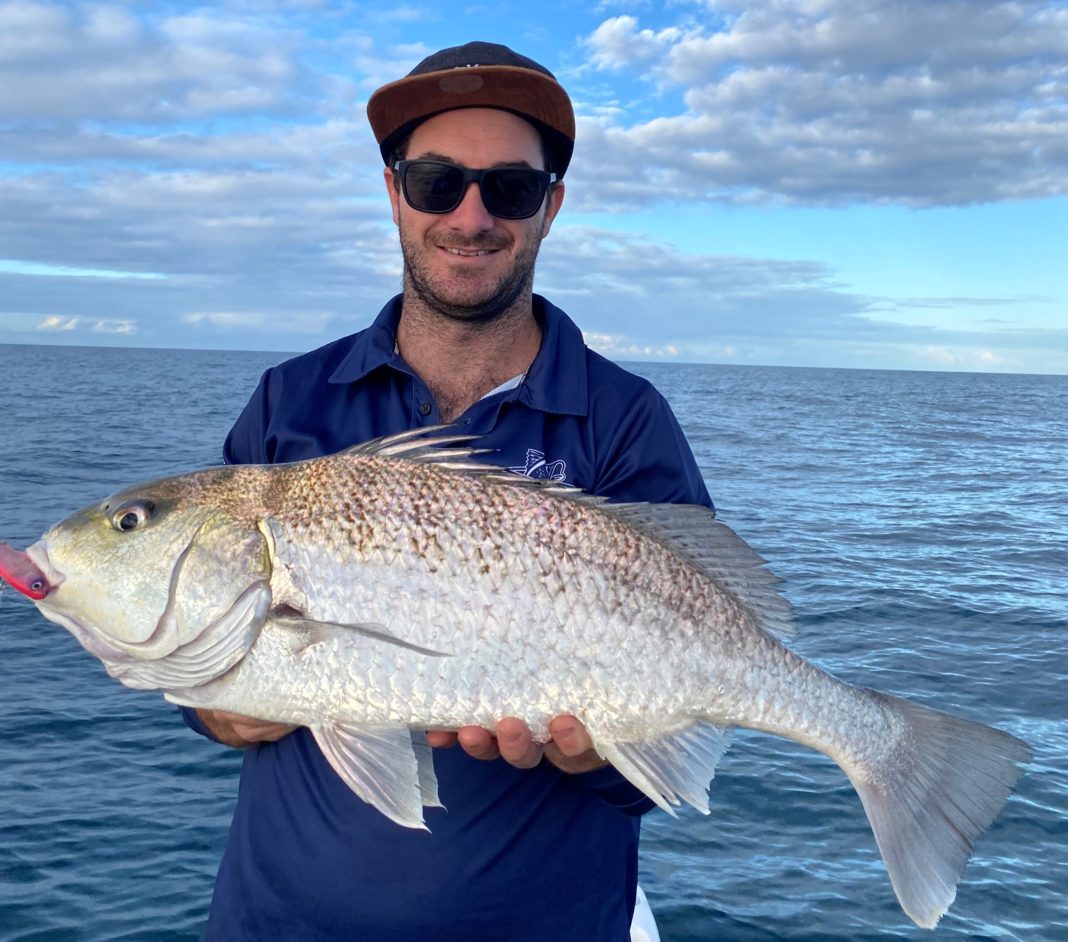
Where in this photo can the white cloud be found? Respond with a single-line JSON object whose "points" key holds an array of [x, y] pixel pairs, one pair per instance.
{"points": [[60, 324], [64, 271], [616, 346], [638, 297], [619, 42], [651, 292], [378, 67], [60, 63], [916, 102], [118, 328], [54, 323], [964, 357], [228, 151], [261, 321]]}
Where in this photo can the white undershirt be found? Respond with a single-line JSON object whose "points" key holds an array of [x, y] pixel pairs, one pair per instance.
{"points": [[504, 387]]}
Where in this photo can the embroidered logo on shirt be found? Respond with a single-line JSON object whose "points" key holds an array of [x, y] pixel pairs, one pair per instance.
{"points": [[538, 467]]}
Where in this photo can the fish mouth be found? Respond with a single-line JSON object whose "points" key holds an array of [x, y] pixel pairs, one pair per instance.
{"points": [[38, 554], [29, 572]]}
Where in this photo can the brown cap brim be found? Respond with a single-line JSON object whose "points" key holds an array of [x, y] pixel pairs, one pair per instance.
{"points": [[397, 108]]}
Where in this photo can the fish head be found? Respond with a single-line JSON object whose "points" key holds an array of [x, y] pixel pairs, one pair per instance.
{"points": [[151, 569]]}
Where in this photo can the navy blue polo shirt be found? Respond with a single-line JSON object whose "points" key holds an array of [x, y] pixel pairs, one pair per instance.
{"points": [[519, 854]]}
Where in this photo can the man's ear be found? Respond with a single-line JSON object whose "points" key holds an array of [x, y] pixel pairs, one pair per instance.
{"points": [[556, 200], [393, 191]]}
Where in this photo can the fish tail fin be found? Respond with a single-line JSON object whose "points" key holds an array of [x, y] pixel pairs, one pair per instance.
{"points": [[940, 786]]}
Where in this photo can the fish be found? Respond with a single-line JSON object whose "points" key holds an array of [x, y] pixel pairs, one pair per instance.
{"points": [[407, 585]]}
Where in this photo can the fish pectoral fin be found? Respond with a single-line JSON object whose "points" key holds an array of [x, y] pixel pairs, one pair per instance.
{"points": [[308, 631], [676, 766], [389, 767]]}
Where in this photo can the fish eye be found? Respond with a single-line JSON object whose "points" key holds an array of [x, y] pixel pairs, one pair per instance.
{"points": [[132, 515]]}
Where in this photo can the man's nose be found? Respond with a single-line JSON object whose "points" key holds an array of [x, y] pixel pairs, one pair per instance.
{"points": [[471, 215]]}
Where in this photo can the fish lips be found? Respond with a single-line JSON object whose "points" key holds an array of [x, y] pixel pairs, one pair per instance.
{"points": [[29, 572], [53, 578]]}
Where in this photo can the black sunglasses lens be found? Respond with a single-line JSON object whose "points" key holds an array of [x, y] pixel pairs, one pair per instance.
{"points": [[508, 193], [513, 194], [433, 188]]}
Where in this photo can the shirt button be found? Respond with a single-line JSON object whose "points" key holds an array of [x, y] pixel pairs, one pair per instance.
{"points": [[424, 409]]}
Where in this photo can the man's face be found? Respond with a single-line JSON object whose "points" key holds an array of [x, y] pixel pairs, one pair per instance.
{"points": [[467, 264]]}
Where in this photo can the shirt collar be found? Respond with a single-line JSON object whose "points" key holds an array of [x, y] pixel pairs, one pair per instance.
{"points": [[555, 382], [373, 347]]}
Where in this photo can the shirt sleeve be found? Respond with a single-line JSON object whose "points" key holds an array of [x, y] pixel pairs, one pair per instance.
{"points": [[645, 456], [194, 722], [247, 441]]}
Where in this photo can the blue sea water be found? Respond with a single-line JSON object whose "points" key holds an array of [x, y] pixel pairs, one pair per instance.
{"points": [[919, 522]]}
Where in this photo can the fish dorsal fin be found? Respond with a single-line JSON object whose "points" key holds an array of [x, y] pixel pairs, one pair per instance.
{"points": [[426, 446], [383, 765], [713, 547], [421, 444], [674, 767]]}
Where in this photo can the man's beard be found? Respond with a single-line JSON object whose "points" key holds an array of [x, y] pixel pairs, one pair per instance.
{"points": [[512, 285]]}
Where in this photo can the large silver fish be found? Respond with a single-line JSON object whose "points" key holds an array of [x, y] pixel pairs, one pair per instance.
{"points": [[401, 586]]}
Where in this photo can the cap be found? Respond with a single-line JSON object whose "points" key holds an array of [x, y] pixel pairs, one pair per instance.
{"points": [[476, 75]]}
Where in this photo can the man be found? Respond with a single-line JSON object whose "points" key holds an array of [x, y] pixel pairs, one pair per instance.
{"points": [[537, 841]]}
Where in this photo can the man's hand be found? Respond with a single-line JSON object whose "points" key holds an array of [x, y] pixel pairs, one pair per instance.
{"points": [[570, 749], [240, 731]]}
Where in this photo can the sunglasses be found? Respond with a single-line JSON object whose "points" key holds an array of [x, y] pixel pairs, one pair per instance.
{"points": [[431, 186]]}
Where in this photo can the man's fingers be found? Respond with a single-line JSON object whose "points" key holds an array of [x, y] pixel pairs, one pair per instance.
{"points": [[570, 749], [441, 739], [513, 743], [478, 742], [239, 731], [570, 736], [516, 744]]}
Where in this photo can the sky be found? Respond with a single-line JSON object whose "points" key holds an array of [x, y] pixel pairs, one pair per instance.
{"points": [[836, 183]]}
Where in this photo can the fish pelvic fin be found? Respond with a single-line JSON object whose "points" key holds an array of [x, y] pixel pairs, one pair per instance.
{"points": [[673, 768], [389, 767], [927, 804]]}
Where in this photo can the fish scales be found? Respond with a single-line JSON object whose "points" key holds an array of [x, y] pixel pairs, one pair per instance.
{"points": [[586, 556], [402, 586]]}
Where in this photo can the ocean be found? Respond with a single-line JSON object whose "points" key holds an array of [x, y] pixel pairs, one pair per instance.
{"points": [[919, 522]]}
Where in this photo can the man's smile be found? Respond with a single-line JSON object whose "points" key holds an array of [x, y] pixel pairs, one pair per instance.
{"points": [[468, 253]]}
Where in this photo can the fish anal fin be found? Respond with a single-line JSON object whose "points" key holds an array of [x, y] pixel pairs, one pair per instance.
{"points": [[672, 768], [428, 780], [385, 766]]}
